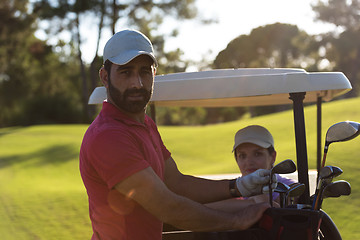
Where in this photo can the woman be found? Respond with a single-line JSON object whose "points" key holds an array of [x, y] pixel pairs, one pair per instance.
{"points": [[253, 149]]}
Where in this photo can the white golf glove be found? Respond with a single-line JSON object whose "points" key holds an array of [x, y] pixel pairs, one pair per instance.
{"points": [[273, 184], [255, 183]]}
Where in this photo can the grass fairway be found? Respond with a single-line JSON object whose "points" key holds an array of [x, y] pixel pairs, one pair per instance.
{"points": [[42, 195]]}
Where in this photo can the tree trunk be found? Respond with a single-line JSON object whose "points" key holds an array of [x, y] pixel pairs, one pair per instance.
{"points": [[84, 96], [93, 66], [114, 17]]}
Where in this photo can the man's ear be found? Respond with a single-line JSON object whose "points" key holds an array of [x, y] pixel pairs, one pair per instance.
{"points": [[104, 76]]}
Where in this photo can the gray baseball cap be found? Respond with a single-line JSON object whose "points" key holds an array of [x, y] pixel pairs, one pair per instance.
{"points": [[254, 134], [126, 45]]}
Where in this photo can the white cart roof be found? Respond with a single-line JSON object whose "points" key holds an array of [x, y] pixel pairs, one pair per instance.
{"points": [[241, 87]]}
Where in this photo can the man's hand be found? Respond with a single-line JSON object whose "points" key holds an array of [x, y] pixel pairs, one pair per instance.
{"points": [[248, 216], [254, 183]]}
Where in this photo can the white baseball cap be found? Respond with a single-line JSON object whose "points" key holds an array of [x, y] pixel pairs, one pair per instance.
{"points": [[126, 45], [254, 134]]}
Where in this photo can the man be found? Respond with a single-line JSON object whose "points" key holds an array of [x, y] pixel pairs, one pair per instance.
{"points": [[132, 182]]}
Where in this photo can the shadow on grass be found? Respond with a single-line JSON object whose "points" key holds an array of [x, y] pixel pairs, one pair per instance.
{"points": [[11, 130], [54, 155]]}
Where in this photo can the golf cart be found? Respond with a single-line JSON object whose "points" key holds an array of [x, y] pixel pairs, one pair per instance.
{"points": [[252, 87]]}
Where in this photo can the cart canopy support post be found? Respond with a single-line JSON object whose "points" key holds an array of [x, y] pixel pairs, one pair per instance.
{"points": [[319, 137], [301, 150]]}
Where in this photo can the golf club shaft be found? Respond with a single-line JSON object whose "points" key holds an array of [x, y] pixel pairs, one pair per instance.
{"points": [[270, 193], [316, 204], [317, 190], [318, 196], [282, 200], [323, 160]]}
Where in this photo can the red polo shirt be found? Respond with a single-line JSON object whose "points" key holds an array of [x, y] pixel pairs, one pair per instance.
{"points": [[115, 147]]}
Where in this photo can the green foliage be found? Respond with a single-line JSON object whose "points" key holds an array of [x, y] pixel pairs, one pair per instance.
{"points": [[146, 16], [223, 114], [42, 195], [180, 116], [51, 109], [342, 46], [38, 83], [15, 32], [197, 115], [33, 72], [267, 46], [272, 46], [339, 12]]}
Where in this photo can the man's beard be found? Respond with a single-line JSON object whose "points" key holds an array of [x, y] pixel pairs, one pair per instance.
{"points": [[122, 102]]}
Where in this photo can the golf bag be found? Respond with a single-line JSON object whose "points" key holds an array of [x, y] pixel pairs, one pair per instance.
{"points": [[249, 234], [290, 223]]}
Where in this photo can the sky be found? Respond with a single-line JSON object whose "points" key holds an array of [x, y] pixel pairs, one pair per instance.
{"points": [[237, 17], [234, 18]]}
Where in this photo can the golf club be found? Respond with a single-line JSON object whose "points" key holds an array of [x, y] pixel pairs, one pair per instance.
{"points": [[295, 190], [300, 206], [281, 188], [326, 175], [340, 132], [334, 190], [286, 166], [337, 189]]}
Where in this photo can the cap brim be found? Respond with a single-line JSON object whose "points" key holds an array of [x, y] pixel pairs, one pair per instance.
{"points": [[253, 141], [129, 56]]}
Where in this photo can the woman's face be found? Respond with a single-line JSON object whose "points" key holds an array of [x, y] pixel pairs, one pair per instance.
{"points": [[251, 157]]}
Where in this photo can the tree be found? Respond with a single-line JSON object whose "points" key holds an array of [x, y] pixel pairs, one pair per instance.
{"points": [[34, 83], [271, 46], [342, 47], [145, 15], [15, 25]]}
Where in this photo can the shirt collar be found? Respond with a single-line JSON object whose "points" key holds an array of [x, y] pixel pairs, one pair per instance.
{"points": [[113, 112]]}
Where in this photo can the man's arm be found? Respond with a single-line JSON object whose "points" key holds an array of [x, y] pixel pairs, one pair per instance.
{"points": [[147, 189], [206, 190], [197, 189]]}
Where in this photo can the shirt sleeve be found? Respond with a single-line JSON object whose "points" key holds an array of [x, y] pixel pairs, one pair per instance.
{"points": [[116, 156], [166, 153]]}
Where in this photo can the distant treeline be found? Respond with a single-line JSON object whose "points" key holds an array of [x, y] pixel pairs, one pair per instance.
{"points": [[48, 81]]}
